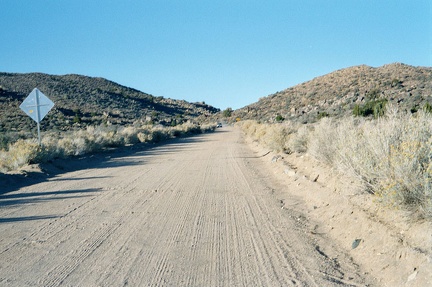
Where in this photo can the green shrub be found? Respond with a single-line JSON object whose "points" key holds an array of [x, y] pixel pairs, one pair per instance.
{"points": [[4, 141], [322, 115], [373, 94], [376, 108], [77, 119], [427, 108], [227, 112], [279, 118]]}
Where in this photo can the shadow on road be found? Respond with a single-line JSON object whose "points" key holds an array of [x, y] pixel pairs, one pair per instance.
{"points": [[34, 197], [9, 200], [25, 218]]}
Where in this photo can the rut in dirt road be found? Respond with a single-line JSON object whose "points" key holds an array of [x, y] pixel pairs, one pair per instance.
{"points": [[193, 212]]}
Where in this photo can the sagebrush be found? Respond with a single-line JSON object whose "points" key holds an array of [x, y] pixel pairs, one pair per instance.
{"points": [[91, 139], [390, 157]]}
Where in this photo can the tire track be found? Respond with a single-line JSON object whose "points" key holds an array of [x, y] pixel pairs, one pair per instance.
{"points": [[58, 232], [56, 276], [179, 199], [191, 213], [48, 230]]}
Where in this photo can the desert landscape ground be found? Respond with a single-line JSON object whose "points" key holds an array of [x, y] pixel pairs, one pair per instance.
{"points": [[199, 211], [216, 143], [323, 197]]}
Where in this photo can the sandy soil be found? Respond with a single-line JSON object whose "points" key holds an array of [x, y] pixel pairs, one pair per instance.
{"points": [[203, 211], [391, 245]]}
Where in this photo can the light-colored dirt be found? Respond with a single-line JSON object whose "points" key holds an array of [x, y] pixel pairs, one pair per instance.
{"points": [[388, 244], [201, 211]]}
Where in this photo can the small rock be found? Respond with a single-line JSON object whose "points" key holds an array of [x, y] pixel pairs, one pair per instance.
{"points": [[289, 172], [276, 158], [412, 276], [356, 243]]}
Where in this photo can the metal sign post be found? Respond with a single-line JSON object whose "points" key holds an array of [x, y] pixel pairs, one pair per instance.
{"points": [[36, 106]]}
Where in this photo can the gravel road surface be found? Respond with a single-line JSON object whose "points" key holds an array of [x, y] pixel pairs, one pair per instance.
{"points": [[199, 211]]}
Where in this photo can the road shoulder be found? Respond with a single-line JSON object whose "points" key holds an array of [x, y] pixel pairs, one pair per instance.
{"points": [[386, 246]]}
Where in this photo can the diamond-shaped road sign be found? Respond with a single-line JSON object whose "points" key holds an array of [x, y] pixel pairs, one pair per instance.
{"points": [[36, 105]]}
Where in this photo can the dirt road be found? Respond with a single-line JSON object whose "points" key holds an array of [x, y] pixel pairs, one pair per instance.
{"points": [[199, 211]]}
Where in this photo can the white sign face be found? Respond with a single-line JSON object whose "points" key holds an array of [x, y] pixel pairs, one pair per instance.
{"points": [[36, 105]]}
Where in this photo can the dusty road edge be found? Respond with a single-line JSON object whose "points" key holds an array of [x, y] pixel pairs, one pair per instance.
{"points": [[388, 247]]}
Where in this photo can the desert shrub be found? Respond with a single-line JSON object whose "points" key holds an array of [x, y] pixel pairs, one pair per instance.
{"points": [[19, 153], [322, 115], [279, 118], [227, 112], [176, 133], [390, 157], [277, 137], [206, 128], [50, 149], [193, 129], [320, 143], [375, 108], [273, 136], [373, 94], [4, 141], [253, 129], [129, 135], [158, 135], [299, 141], [427, 108], [144, 133]]}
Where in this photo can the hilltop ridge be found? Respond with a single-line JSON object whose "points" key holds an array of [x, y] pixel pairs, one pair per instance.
{"points": [[336, 94], [82, 100]]}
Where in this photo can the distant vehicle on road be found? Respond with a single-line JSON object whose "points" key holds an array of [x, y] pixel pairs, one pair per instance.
{"points": [[219, 125]]}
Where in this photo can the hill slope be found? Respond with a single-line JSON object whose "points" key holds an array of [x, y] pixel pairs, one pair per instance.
{"points": [[337, 93], [81, 100]]}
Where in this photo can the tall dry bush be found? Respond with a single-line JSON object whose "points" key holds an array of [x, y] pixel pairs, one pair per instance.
{"points": [[273, 136], [390, 156], [19, 153], [299, 140], [321, 141]]}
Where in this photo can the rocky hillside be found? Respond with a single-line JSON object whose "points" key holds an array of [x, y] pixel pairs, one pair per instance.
{"points": [[343, 91], [81, 100]]}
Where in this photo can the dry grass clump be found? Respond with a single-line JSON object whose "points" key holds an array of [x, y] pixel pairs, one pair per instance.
{"points": [[274, 136], [91, 139], [20, 153], [299, 141], [390, 157]]}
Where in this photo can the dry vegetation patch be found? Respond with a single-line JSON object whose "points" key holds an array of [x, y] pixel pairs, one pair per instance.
{"points": [[364, 182], [390, 157], [88, 140]]}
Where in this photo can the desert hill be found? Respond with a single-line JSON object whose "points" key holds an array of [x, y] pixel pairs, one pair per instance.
{"points": [[81, 100], [339, 92]]}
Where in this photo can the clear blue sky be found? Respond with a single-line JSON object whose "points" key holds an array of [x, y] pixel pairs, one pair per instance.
{"points": [[226, 53]]}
